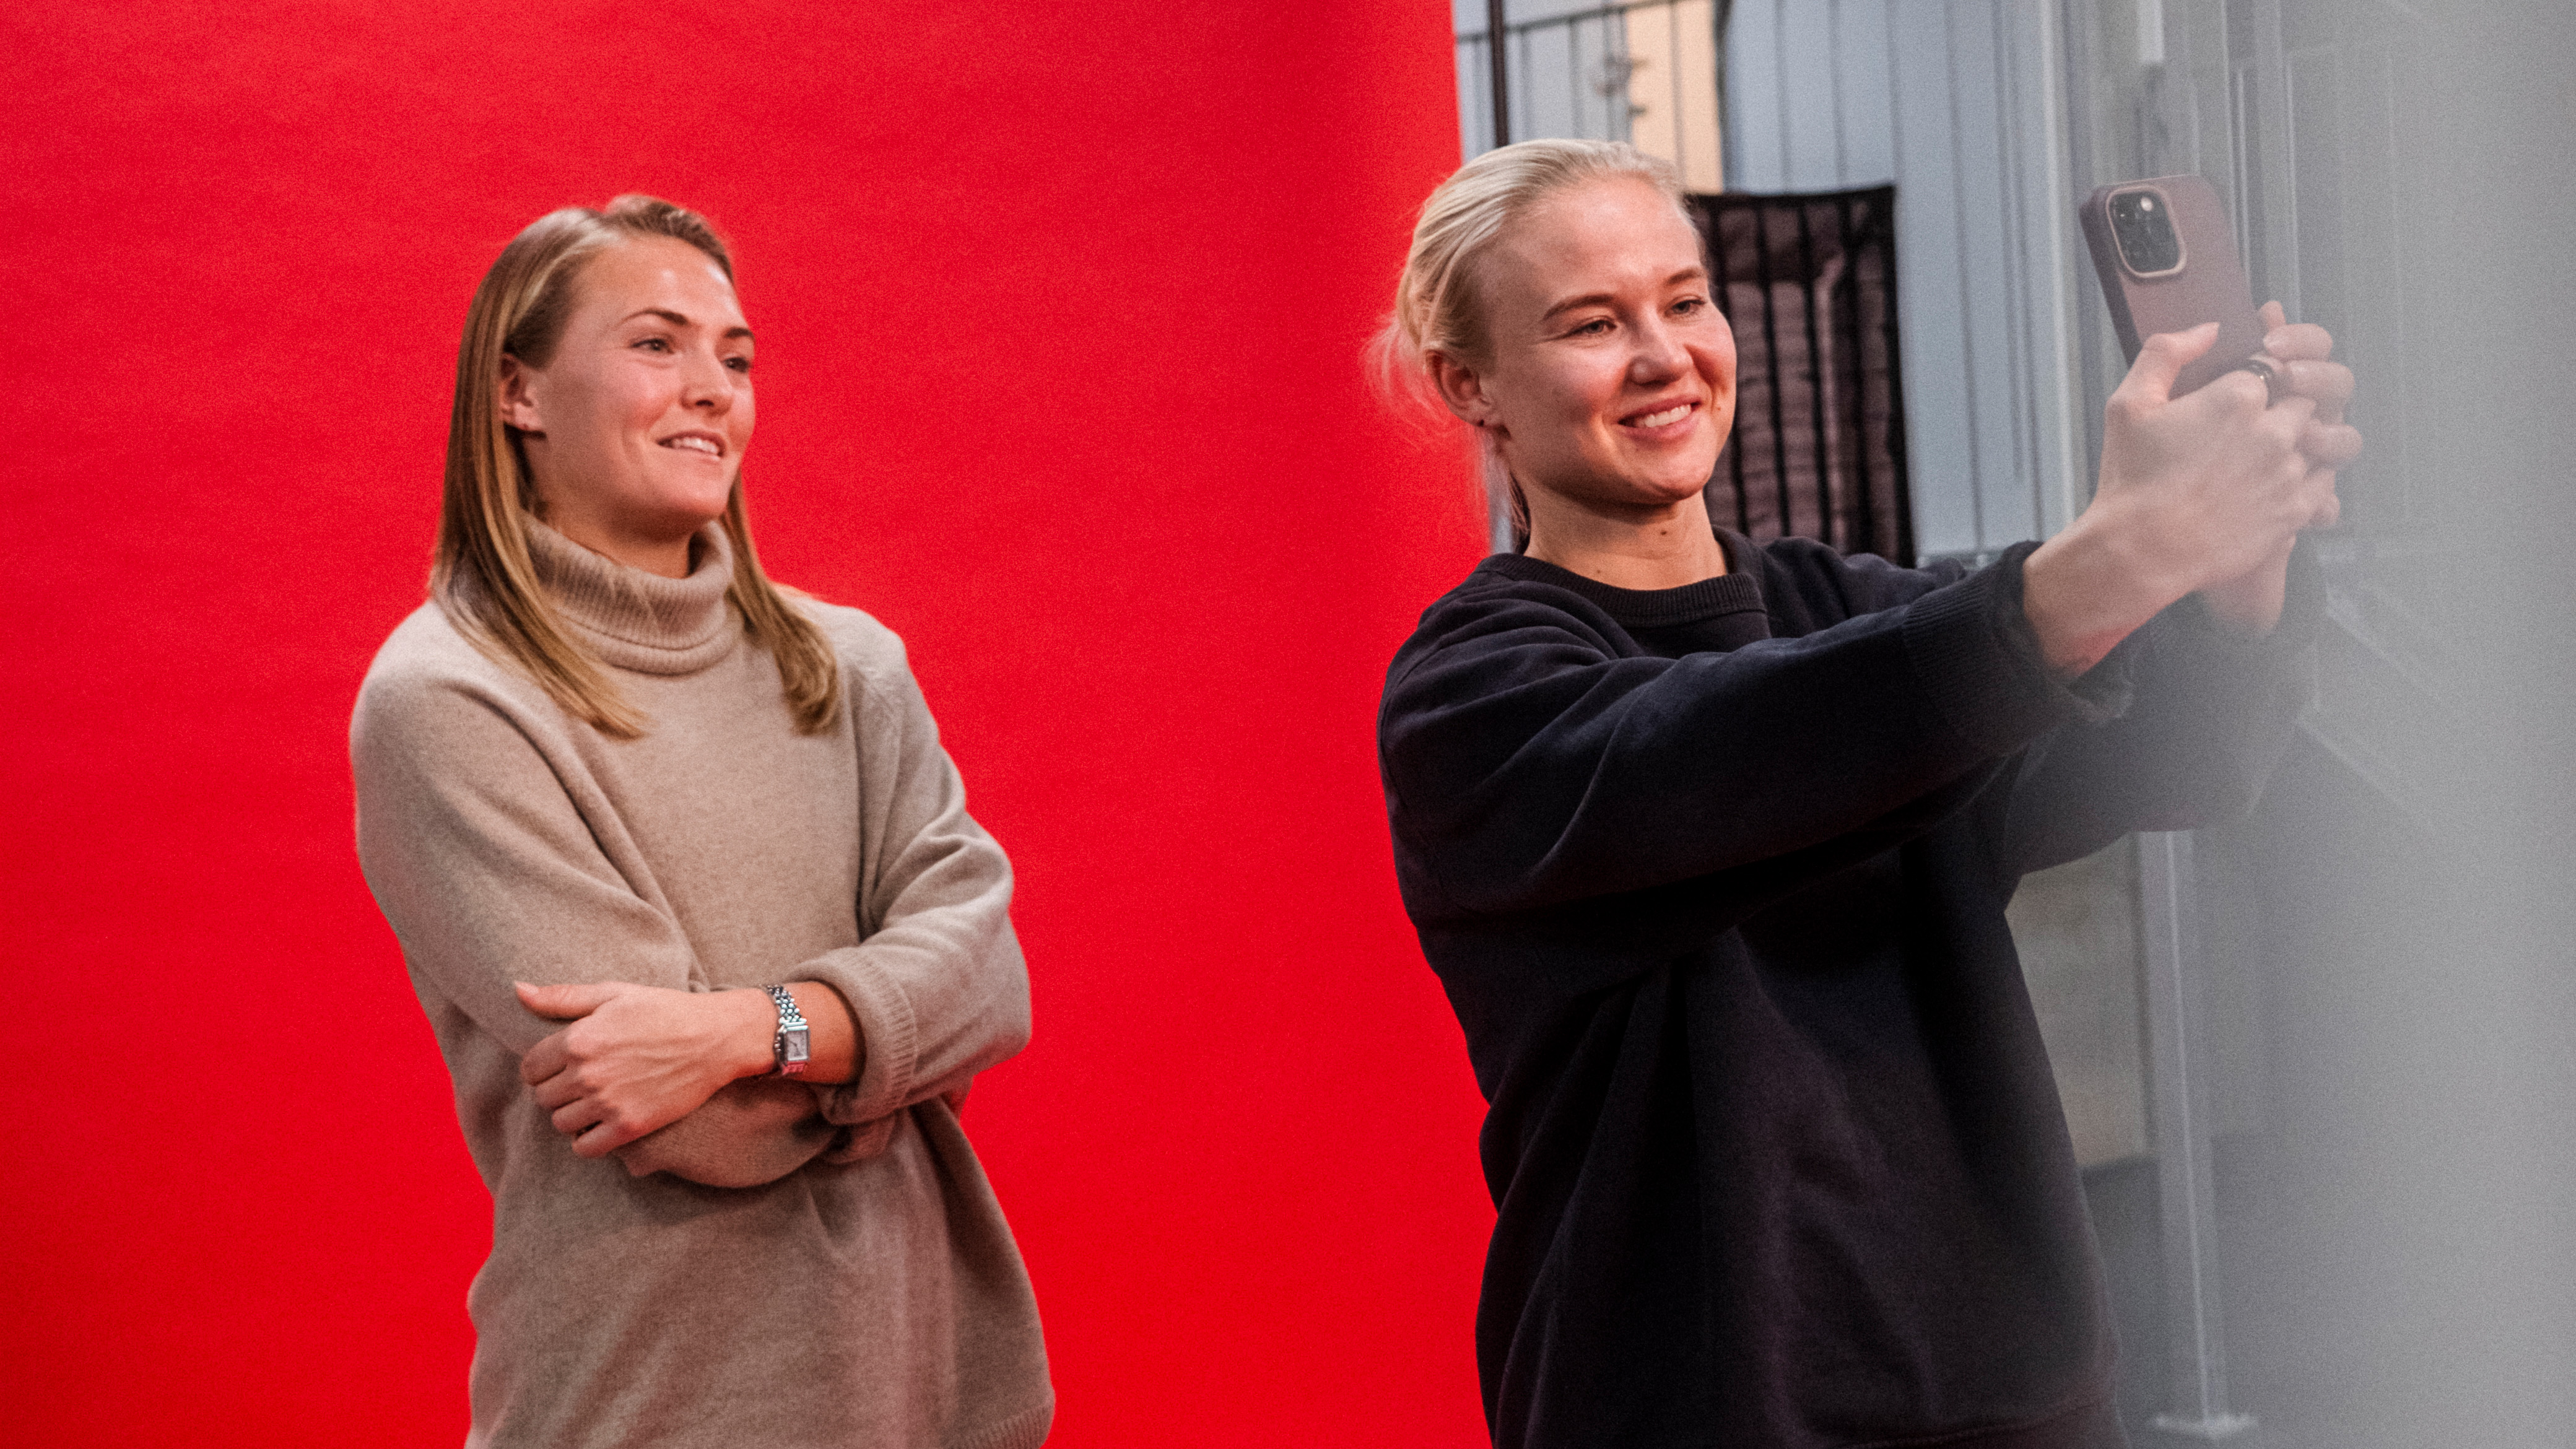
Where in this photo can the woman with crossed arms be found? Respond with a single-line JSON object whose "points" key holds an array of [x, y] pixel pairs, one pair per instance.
{"points": [[1710, 844], [611, 776]]}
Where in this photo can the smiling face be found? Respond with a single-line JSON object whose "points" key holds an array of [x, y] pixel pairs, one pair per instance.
{"points": [[634, 429], [1609, 375]]}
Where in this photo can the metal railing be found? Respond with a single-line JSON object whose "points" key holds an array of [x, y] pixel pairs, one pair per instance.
{"points": [[1614, 72], [1808, 284]]}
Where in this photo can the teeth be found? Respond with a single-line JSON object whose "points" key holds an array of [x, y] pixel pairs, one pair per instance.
{"points": [[1668, 415], [703, 445]]}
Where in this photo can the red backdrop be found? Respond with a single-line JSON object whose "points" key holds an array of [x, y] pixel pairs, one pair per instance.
{"points": [[1059, 310]]}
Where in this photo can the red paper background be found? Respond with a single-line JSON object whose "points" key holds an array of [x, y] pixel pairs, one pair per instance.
{"points": [[1059, 310]]}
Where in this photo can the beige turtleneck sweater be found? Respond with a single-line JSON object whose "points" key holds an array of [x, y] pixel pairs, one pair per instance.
{"points": [[857, 1286]]}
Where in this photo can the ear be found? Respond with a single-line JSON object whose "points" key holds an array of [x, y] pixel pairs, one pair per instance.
{"points": [[1462, 388], [518, 402]]}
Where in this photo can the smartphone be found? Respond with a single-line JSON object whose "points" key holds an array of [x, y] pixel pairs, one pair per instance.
{"points": [[2166, 258]]}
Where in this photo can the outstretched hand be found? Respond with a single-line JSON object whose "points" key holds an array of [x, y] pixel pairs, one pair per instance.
{"points": [[2301, 355], [2202, 493], [636, 1058], [2213, 483]]}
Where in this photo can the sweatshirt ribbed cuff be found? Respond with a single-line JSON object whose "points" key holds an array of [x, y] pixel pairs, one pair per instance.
{"points": [[2303, 611], [1977, 657], [888, 1034]]}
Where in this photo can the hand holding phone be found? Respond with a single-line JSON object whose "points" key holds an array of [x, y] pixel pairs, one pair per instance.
{"points": [[2198, 494], [2202, 494], [2166, 257]]}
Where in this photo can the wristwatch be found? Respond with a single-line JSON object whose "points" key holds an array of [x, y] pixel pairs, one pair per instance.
{"points": [[790, 1044]]}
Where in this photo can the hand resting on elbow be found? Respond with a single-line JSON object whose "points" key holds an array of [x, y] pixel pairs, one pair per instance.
{"points": [[679, 1080]]}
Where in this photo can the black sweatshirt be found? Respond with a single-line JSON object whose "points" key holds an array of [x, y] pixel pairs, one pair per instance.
{"points": [[1715, 879]]}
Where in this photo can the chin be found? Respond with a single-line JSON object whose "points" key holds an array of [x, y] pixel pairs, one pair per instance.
{"points": [[1678, 483], [694, 508], [1668, 478], [1673, 489]]}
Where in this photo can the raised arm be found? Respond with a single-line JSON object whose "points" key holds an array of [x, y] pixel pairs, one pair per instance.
{"points": [[2213, 706], [1529, 763], [2221, 674]]}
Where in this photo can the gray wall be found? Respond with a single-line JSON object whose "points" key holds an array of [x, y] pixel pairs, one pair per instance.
{"points": [[1557, 71], [1958, 103]]}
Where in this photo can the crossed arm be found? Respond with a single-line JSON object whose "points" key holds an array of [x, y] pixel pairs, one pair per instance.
{"points": [[636, 1058], [485, 858]]}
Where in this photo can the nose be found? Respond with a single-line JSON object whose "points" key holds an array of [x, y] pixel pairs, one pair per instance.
{"points": [[707, 382], [1659, 356]]}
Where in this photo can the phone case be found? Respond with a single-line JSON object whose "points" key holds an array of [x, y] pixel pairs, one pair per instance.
{"points": [[2209, 285]]}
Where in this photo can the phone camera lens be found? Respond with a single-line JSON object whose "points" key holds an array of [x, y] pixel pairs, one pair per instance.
{"points": [[2148, 244]]}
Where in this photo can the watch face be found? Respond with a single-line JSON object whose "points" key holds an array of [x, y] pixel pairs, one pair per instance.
{"points": [[796, 1047]]}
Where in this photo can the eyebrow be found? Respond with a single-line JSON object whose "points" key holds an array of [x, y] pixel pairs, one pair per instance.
{"points": [[678, 320], [1603, 299]]}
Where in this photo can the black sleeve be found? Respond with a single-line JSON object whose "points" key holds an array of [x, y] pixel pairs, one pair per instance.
{"points": [[1530, 761], [2211, 712]]}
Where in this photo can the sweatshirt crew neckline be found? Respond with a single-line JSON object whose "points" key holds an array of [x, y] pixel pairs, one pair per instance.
{"points": [[1735, 591], [637, 620]]}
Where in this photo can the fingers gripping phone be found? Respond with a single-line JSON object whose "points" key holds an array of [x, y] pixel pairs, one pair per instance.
{"points": [[2166, 258]]}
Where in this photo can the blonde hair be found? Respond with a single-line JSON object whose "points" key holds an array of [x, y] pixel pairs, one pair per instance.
{"points": [[482, 574], [1438, 306]]}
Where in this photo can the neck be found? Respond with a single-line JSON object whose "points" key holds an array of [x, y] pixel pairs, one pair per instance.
{"points": [[653, 552], [1659, 546]]}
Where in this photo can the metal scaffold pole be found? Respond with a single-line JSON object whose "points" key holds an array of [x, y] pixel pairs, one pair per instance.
{"points": [[2182, 1111], [1500, 65]]}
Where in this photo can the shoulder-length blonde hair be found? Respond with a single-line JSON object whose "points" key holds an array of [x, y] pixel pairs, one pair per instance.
{"points": [[1438, 306], [482, 575]]}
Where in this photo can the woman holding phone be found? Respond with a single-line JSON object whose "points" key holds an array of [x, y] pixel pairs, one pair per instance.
{"points": [[1710, 844], [689, 892]]}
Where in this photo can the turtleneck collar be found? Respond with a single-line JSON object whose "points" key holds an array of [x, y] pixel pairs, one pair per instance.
{"points": [[635, 620]]}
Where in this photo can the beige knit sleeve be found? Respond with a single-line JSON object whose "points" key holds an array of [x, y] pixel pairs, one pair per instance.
{"points": [[475, 836], [937, 983], [756, 1130]]}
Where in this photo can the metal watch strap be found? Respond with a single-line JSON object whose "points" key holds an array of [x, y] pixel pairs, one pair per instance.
{"points": [[791, 1044]]}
